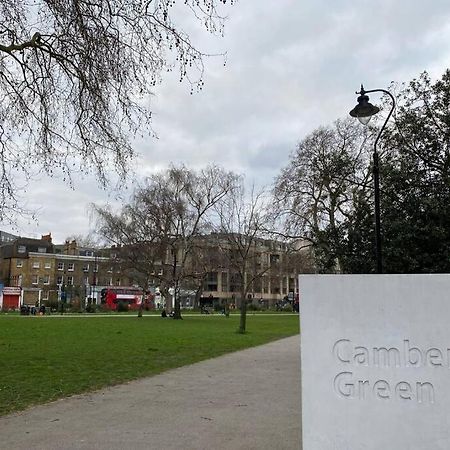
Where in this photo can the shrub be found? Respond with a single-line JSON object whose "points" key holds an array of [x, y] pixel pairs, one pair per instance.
{"points": [[90, 308], [252, 307], [75, 305]]}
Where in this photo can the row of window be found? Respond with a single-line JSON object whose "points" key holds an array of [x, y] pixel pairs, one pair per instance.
{"points": [[60, 266], [71, 267], [68, 280], [233, 283], [23, 249], [35, 265], [45, 279], [160, 272]]}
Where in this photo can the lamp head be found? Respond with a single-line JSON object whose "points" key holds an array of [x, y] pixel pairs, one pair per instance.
{"points": [[364, 110]]}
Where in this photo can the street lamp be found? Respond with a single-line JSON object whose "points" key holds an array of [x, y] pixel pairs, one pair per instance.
{"points": [[363, 111]]}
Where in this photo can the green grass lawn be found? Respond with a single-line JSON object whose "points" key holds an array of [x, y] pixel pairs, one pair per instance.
{"points": [[45, 358]]}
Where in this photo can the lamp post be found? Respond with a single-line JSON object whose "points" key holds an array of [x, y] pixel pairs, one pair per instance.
{"points": [[363, 111]]}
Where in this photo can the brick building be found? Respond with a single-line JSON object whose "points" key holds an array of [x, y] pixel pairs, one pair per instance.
{"points": [[47, 273]]}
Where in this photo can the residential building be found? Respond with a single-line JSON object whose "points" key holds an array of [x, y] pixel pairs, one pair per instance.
{"points": [[48, 273], [7, 237], [272, 273]]}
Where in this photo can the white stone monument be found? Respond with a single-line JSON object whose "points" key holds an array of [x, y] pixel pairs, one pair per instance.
{"points": [[375, 354]]}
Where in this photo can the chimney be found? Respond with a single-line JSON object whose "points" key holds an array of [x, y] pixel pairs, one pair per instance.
{"points": [[73, 248], [47, 237]]}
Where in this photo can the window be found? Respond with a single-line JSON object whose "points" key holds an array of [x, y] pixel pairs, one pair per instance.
{"points": [[46, 279], [36, 265], [59, 280], [110, 270], [70, 267], [257, 285], [285, 286], [291, 284], [275, 287], [210, 283], [118, 282], [235, 282], [34, 279], [224, 282], [86, 281], [89, 253], [21, 249], [60, 265], [44, 295], [265, 285], [19, 263], [69, 281], [85, 267], [160, 272], [95, 268], [42, 250], [274, 259]]}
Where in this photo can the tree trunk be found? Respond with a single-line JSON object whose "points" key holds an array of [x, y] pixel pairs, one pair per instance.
{"points": [[167, 301], [227, 308], [177, 307], [243, 318], [141, 307], [143, 299], [198, 294], [176, 298]]}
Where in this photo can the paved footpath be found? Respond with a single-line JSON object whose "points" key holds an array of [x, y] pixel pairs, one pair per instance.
{"points": [[244, 400]]}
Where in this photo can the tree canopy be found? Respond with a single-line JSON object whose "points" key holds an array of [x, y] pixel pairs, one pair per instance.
{"points": [[316, 192], [76, 75], [243, 221], [326, 190], [416, 179], [158, 232]]}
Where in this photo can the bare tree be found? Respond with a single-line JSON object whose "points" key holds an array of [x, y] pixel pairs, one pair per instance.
{"points": [[164, 223], [205, 258], [243, 223], [76, 76], [138, 251], [316, 191]]}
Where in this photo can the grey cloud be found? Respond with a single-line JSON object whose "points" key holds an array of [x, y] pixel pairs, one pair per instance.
{"points": [[292, 66]]}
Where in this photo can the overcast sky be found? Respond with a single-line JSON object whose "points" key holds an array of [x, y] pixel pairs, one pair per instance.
{"points": [[292, 66]]}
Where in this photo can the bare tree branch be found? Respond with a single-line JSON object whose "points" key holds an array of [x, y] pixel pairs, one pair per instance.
{"points": [[76, 77]]}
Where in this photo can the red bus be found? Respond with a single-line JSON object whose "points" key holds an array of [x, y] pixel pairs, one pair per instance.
{"points": [[113, 295]]}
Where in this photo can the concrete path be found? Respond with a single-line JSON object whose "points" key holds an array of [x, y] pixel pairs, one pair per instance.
{"points": [[244, 400]]}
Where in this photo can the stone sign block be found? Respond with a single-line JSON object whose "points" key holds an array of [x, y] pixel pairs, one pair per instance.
{"points": [[375, 354]]}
